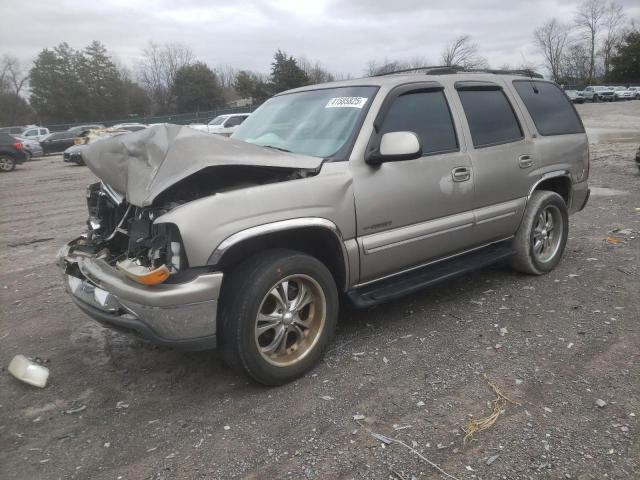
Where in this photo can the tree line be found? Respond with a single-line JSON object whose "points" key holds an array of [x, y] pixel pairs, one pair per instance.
{"points": [[70, 86], [599, 44], [65, 85]]}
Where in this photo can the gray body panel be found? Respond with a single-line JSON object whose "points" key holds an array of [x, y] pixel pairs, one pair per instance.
{"points": [[206, 222], [388, 218], [399, 214]]}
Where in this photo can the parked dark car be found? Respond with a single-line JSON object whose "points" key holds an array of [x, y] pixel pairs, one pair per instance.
{"points": [[73, 154], [638, 158], [33, 147], [575, 96], [59, 141], [11, 152]]}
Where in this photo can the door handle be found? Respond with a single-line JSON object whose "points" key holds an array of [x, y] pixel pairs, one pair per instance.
{"points": [[525, 161], [461, 174]]}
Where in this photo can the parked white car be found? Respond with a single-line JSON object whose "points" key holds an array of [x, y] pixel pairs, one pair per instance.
{"points": [[222, 124], [35, 133], [635, 91], [623, 93]]}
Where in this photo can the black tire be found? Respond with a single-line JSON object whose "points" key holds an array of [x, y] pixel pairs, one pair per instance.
{"points": [[527, 241], [247, 288], [594, 99], [7, 163]]}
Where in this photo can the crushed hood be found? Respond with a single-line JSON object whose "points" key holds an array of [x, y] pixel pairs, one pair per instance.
{"points": [[141, 165]]}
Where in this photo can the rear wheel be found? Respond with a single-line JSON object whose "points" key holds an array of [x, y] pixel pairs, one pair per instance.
{"points": [[7, 163], [595, 99], [279, 312], [542, 236]]}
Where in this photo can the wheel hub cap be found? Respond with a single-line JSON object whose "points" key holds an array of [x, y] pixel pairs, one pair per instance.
{"points": [[547, 233], [290, 320]]}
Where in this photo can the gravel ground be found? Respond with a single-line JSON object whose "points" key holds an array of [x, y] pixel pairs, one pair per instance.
{"points": [[414, 370]]}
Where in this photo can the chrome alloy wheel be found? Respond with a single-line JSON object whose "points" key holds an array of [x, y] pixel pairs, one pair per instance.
{"points": [[290, 320], [6, 164], [547, 233]]}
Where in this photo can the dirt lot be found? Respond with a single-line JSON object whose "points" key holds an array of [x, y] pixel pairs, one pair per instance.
{"points": [[116, 408]]}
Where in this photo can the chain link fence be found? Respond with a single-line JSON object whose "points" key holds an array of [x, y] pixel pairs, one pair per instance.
{"points": [[178, 118]]}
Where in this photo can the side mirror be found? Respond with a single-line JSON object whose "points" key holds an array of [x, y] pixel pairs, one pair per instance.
{"points": [[396, 146]]}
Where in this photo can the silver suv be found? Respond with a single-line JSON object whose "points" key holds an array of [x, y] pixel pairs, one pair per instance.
{"points": [[365, 189]]}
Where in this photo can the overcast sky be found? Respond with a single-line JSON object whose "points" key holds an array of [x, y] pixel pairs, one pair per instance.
{"points": [[343, 35]]}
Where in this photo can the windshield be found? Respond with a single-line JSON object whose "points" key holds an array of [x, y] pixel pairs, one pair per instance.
{"points": [[217, 121], [314, 122]]}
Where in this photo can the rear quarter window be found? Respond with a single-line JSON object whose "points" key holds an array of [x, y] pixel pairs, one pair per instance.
{"points": [[549, 108]]}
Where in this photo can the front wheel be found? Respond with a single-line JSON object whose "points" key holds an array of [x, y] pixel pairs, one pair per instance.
{"points": [[542, 236], [279, 312], [7, 163]]}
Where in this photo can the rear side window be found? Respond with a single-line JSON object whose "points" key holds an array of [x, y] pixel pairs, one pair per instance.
{"points": [[6, 139], [549, 108], [491, 119], [234, 121], [426, 113]]}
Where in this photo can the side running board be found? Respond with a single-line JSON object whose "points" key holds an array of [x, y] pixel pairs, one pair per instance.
{"points": [[415, 280]]}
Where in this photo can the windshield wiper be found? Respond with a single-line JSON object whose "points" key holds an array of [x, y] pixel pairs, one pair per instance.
{"points": [[277, 148]]}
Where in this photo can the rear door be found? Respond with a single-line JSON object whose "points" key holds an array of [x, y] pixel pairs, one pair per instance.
{"points": [[503, 158], [410, 212]]}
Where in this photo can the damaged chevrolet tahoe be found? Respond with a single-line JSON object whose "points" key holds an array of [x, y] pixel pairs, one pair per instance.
{"points": [[365, 189]]}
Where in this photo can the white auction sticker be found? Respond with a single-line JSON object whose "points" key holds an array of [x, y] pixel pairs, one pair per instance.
{"points": [[341, 102]]}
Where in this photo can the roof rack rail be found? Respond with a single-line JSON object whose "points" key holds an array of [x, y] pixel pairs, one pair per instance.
{"points": [[447, 70]]}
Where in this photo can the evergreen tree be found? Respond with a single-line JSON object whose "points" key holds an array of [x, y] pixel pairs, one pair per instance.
{"points": [[105, 93], [285, 73], [249, 85], [625, 64], [196, 87]]}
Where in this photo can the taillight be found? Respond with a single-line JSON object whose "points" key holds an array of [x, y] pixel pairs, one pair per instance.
{"points": [[17, 146]]}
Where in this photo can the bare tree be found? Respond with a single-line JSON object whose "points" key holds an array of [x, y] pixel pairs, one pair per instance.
{"points": [[576, 62], [613, 29], [13, 76], [463, 52], [316, 72], [375, 67], [589, 19], [226, 75], [158, 68], [552, 38]]}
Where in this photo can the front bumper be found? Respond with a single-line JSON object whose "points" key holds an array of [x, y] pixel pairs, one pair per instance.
{"points": [[72, 157], [177, 315]]}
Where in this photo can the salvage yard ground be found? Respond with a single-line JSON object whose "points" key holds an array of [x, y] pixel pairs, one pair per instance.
{"points": [[413, 369]]}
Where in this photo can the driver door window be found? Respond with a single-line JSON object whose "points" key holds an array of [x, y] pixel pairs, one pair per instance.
{"points": [[427, 114]]}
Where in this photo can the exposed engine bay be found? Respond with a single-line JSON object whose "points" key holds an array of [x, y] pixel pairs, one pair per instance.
{"points": [[151, 172], [125, 235], [117, 230]]}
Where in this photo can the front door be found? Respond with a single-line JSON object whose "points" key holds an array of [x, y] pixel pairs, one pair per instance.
{"points": [[413, 211]]}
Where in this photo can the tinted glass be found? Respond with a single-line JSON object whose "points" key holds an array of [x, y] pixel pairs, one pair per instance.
{"points": [[490, 116], [550, 110], [6, 139], [426, 114], [234, 121]]}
